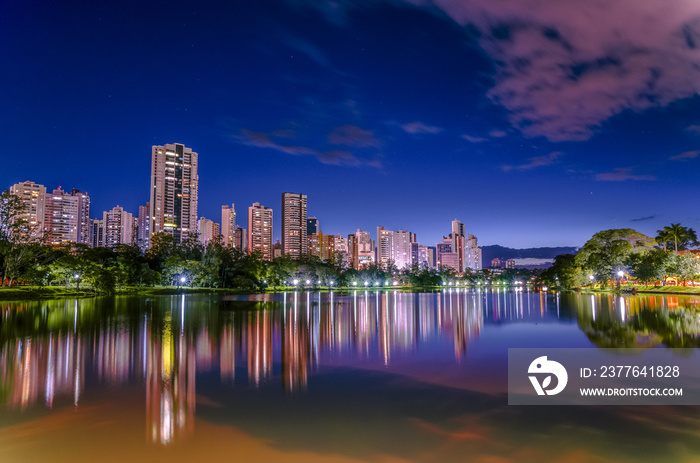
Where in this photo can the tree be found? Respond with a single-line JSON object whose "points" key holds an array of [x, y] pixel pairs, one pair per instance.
{"points": [[652, 266], [681, 237], [606, 251]]}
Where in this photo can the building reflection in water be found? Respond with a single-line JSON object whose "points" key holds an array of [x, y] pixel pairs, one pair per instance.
{"points": [[164, 342]]}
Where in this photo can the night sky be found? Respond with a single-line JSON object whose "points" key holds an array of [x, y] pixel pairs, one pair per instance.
{"points": [[536, 123]]}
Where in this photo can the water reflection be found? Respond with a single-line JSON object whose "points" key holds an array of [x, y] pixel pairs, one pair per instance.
{"points": [[50, 350]]}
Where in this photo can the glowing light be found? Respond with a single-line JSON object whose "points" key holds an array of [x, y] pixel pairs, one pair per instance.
{"points": [[620, 273], [183, 279], [296, 282], [354, 283], [308, 281], [395, 283]]}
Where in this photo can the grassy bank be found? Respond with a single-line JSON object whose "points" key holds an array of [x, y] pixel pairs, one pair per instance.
{"points": [[648, 289], [42, 292]]}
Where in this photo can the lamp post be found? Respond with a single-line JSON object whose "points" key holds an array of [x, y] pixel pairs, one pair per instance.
{"points": [[620, 274]]}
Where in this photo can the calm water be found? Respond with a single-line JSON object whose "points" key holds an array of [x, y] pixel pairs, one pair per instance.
{"points": [[365, 376]]}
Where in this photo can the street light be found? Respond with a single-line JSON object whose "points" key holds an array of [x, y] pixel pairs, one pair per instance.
{"points": [[354, 283], [296, 282], [366, 282]]}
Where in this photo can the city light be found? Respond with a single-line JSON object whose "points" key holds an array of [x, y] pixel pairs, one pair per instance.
{"points": [[296, 282]]}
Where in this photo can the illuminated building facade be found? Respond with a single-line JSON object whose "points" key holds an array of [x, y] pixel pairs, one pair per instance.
{"points": [[143, 227], [174, 190], [209, 231], [260, 230], [32, 196], [294, 224], [66, 217], [118, 226], [228, 226]]}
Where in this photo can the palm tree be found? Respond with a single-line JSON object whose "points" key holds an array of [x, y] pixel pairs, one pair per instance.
{"points": [[679, 234]]}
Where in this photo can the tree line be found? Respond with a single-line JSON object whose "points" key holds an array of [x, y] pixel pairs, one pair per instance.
{"points": [[611, 255]]}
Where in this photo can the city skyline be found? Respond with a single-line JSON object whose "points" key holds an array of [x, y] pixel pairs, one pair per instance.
{"points": [[535, 123]]}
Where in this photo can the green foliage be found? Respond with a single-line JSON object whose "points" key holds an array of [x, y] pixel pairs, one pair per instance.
{"points": [[677, 236], [605, 253]]}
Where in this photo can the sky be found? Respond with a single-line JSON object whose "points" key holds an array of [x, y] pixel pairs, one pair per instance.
{"points": [[534, 122]]}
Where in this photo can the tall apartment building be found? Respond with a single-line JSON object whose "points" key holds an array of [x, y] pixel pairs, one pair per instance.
{"points": [[294, 224], [260, 230], [97, 233], [240, 239], [118, 227], [66, 217], [143, 227], [32, 196], [446, 257], [365, 248], [83, 215], [353, 259], [209, 231], [174, 190], [228, 225], [401, 254], [385, 246], [472, 253], [457, 236]]}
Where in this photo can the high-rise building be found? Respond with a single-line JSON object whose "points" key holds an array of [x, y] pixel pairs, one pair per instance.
{"points": [[83, 215], [472, 253], [457, 236], [353, 252], [510, 263], [365, 248], [385, 246], [260, 230], [401, 253], [294, 224], [228, 225], [314, 244], [66, 217], [174, 190], [118, 226], [143, 227], [312, 226], [209, 231], [496, 263], [446, 257], [322, 246], [32, 196], [97, 231], [240, 239]]}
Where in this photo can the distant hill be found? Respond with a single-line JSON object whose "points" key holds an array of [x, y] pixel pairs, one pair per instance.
{"points": [[536, 257]]}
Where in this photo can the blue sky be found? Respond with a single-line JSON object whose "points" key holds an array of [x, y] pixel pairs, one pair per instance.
{"points": [[534, 122]]}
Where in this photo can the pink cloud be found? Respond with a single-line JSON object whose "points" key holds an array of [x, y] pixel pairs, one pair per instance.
{"points": [[331, 157], [685, 156], [694, 129], [497, 133], [352, 135], [621, 174], [537, 161], [566, 67], [418, 127], [472, 139]]}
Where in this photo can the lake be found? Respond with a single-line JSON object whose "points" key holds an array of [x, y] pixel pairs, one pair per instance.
{"points": [[381, 376]]}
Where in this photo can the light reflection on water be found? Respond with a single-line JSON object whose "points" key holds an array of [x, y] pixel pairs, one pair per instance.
{"points": [[170, 346]]}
